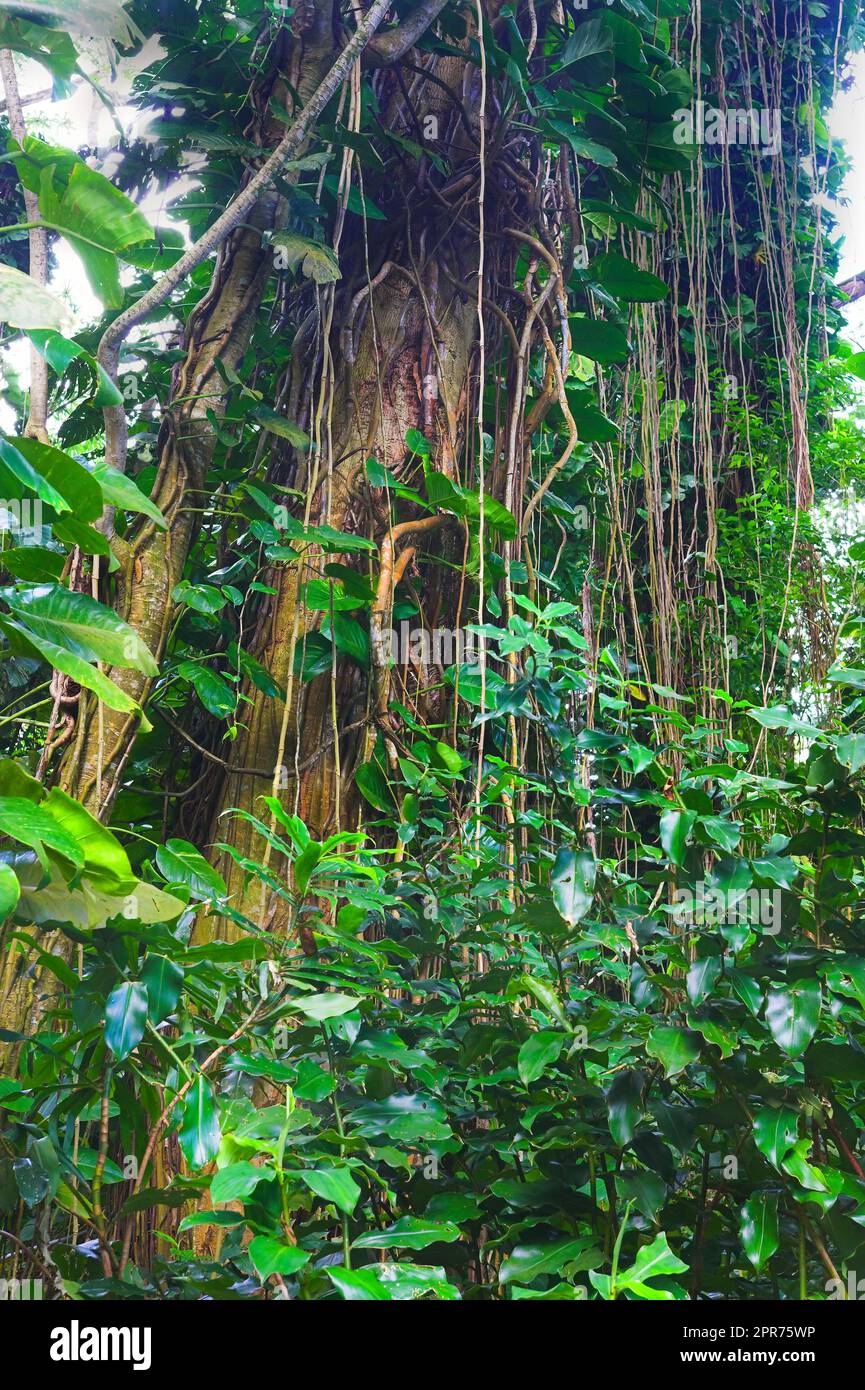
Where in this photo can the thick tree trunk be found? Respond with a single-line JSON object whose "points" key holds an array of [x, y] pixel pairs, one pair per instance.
{"points": [[407, 367], [401, 344]]}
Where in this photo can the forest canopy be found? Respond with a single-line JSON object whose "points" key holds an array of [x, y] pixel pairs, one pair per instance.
{"points": [[432, 704]]}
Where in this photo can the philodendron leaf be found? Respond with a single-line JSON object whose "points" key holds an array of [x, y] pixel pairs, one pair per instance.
{"points": [[80, 624], [125, 1018], [792, 1014], [758, 1228], [10, 891], [573, 881]]}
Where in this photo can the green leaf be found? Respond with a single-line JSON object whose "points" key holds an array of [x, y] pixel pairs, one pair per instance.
{"points": [[409, 1232], [536, 1054], [199, 1133], [163, 981], [676, 826], [97, 219], [75, 666], [357, 1285], [10, 891], [779, 717], [225, 1219], [22, 471], [573, 881], [792, 1015], [850, 751], [625, 280], [625, 1104], [775, 1133], [599, 341], [106, 862], [528, 1262], [702, 978], [272, 1256], [321, 1006], [279, 425], [315, 260], [652, 1261], [79, 624], [125, 1018], [121, 491], [77, 486], [237, 1181], [24, 304], [674, 1048], [180, 862], [21, 820], [758, 1228], [333, 1185], [373, 786]]}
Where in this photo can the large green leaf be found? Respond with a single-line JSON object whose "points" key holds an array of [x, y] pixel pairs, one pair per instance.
{"points": [[181, 862], [27, 823], [25, 304], [106, 862], [775, 1132], [119, 490], [125, 1018], [528, 1262], [675, 1048], [85, 627], [409, 1232], [199, 1133], [10, 891], [792, 1014], [272, 1256], [676, 826], [333, 1185], [602, 342], [625, 280], [62, 659], [96, 218], [573, 881], [14, 465], [163, 980], [536, 1054], [758, 1228]]}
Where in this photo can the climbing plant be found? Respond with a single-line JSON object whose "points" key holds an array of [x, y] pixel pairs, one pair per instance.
{"points": [[431, 802]]}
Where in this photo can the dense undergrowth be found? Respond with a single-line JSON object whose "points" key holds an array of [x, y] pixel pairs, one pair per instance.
{"points": [[433, 857]]}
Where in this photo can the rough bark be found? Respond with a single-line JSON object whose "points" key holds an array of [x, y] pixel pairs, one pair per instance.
{"points": [[408, 369]]}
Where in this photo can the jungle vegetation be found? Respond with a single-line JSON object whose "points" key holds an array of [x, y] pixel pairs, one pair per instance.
{"points": [[432, 704]]}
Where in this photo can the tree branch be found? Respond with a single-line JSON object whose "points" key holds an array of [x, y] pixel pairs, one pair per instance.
{"points": [[390, 47]]}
